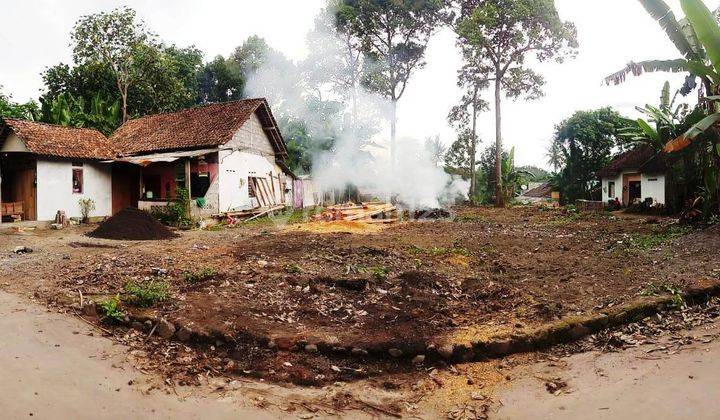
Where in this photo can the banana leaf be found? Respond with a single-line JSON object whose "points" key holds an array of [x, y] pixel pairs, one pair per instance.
{"points": [[706, 28], [686, 139]]}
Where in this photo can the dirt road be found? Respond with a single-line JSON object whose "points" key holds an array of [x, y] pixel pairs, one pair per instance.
{"points": [[633, 384], [55, 366]]}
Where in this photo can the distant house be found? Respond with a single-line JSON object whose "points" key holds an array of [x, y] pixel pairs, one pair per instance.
{"points": [[537, 192], [228, 156], [45, 168], [636, 175]]}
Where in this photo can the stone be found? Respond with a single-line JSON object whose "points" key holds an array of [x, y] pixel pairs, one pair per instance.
{"points": [[356, 351], [395, 352], [148, 325], [272, 345], [137, 326], [165, 328], [311, 348], [446, 351], [499, 348], [579, 331], [262, 263], [284, 343], [184, 334], [22, 250], [419, 359], [90, 309]]}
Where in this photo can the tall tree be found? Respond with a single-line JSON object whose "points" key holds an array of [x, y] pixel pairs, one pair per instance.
{"points": [[112, 39], [220, 80], [465, 115], [505, 33], [435, 149], [393, 35], [458, 158]]}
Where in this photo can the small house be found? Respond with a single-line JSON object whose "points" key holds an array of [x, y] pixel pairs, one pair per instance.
{"points": [[228, 157], [636, 176], [45, 168]]}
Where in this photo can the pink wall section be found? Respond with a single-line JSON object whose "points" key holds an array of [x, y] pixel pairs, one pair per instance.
{"points": [[167, 172]]}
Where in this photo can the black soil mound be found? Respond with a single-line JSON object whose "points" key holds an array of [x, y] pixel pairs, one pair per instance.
{"points": [[133, 225]]}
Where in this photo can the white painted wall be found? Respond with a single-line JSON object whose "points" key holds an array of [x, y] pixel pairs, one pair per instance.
{"points": [[653, 189], [653, 186], [13, 143], [55, 192], [248, 154], [235, 168], [606, 188]]}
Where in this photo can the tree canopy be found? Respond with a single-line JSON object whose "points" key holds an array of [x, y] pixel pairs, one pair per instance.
{"points": [[497, 38], [585, 141]]}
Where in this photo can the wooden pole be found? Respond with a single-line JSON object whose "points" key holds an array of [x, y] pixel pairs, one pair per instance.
{"points": [[187, 184]]}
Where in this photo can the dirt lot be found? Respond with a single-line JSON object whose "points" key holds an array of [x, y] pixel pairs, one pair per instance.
{"points": [[312, 308]]}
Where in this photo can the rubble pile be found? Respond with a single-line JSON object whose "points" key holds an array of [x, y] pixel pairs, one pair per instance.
{"points": [[133, 225], [371, 212]]}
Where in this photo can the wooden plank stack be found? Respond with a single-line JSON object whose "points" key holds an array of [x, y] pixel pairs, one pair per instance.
{"points": [[371, 212]]}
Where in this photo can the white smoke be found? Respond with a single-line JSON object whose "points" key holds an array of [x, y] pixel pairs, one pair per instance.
{"points": [[415, 180]]}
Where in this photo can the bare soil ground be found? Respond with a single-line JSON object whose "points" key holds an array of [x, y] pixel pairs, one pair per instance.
{"points": [[265, 291]]}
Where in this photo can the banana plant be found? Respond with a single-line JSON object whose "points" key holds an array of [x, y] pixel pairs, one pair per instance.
{"points": [[696, 59], [511, 176]]}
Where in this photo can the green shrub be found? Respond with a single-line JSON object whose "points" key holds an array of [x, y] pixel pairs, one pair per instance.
{"points": [[148, 293], [200, 275], [87, 206], [175, 213], [110, 308]]}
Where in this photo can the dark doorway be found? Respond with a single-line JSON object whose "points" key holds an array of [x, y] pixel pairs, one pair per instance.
{"points": [[634, 191], [19, 186]]}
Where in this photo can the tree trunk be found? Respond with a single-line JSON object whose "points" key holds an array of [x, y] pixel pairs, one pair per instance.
{"points": [[123, 98], [499, 196], [393, 133], [473, 149]]}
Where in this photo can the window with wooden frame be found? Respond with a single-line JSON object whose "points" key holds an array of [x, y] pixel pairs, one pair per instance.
{"points": [[611, 189], [77, 178]]}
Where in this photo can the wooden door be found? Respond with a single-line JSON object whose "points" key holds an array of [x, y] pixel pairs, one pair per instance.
{"points": [[24, 190], [125, 187], [627, 179]]}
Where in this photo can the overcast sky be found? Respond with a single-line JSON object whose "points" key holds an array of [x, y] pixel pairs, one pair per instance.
{"points": [[34, 34]]}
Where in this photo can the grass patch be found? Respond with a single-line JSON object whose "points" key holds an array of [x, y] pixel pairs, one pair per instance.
{"points": [[439, 251], [471, 218], [654, 289], [200, 275], [148, 293], [380, 273], [657, 238], [292, 269]]}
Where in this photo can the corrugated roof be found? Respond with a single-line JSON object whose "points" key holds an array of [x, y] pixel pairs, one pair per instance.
{"points": [[54, 140], [204, 126]]}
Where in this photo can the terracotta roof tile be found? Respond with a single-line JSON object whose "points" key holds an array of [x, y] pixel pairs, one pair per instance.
{"points": [[205, 126], [67, 142], [632, 159]]}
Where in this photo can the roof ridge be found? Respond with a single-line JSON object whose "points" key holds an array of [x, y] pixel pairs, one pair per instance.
{"points": [[192, 108], [21, 121]]}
